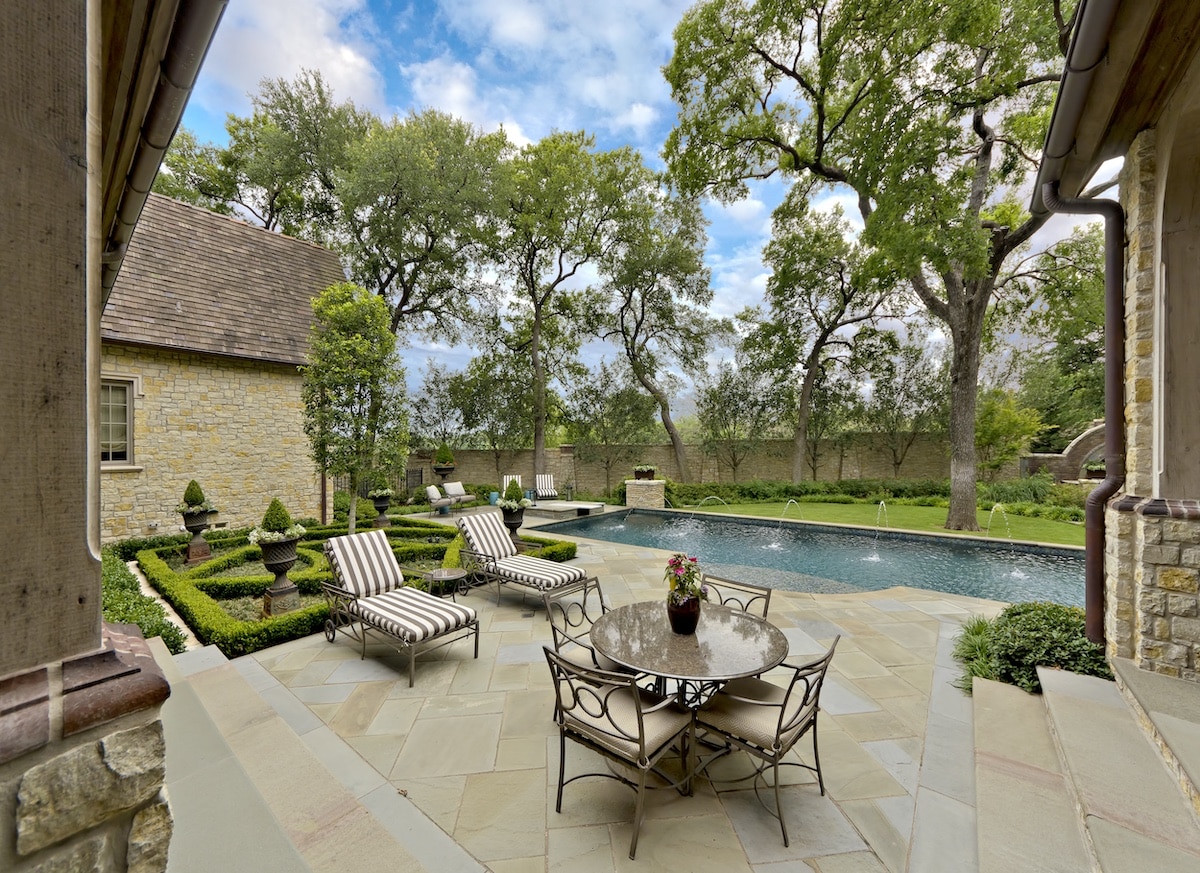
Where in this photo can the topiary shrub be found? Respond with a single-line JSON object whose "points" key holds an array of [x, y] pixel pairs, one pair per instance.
{"points": [[1026, 636], [193, 495], [443, 457], [276, 518], [513, 491]]}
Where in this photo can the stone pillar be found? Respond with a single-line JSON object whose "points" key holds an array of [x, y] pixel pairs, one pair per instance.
{"points": [[645, 493]]}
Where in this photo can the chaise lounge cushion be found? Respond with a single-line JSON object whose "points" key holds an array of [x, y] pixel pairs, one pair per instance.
{"points": [[364, 564], [537, 572], [411, 615], [486, 534], [545, 485]]}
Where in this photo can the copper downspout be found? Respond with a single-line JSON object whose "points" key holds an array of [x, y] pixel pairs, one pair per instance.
{"points": [[195, 23], [1114, 393], [1088, 50]]}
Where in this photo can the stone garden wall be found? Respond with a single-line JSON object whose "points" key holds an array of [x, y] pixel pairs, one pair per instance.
{"points": [[236, 427]]}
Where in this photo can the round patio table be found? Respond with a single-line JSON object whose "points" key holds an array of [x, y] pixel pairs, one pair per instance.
{"points": [[728, 644]]}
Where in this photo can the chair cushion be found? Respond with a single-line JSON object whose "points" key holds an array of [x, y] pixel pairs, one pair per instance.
{"points": [[456, 491], [486, 534], [364, 563], [537, 572], [754, 722], [545, 485], [412, 615], [660, 726]]}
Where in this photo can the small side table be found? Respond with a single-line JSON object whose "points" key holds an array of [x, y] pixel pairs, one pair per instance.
{"points": [[445, 580]]}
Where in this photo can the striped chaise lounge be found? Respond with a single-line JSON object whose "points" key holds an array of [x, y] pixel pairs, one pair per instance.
{"points": [[545, 486], [368, 593], [491, 556]]}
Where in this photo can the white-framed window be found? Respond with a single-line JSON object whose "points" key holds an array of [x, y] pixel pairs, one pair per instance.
{"points": [[116, 421]]}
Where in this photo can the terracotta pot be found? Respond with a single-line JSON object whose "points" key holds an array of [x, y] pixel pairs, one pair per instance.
{"points": [[684, 615]]}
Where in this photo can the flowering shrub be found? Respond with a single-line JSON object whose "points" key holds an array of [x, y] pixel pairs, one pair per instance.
{"points": [[683, 578]]}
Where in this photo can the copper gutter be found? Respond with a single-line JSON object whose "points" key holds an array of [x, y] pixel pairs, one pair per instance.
{"points": [[195, 23], [1088, 50]]}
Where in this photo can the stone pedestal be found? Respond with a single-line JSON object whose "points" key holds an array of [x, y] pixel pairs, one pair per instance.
{"points": [[277, 601], [645, 493]]}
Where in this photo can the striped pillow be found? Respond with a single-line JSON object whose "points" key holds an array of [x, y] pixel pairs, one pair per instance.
{"points": [[364, 563], [486, 534]]}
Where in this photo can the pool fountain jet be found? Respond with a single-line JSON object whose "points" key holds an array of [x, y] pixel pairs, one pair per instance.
{"points": [[711, 497], [1004, 515], [880, 516], [791, 502]]}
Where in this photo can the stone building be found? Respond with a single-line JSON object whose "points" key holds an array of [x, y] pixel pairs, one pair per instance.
{"points": [[1132, 90], [200, 343], [92, 93]]}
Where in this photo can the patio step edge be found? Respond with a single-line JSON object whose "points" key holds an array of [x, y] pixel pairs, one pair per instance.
{"points": [[1134, 815], [1027, 814], [1168, 710]]}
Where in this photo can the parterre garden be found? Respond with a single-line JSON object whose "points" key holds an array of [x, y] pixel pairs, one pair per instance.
{"points": [[214, 597]]}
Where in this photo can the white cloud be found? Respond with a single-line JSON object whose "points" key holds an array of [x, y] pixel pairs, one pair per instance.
{"points": [[269, 39]]}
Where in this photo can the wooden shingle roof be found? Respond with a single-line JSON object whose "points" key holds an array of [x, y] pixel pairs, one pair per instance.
{"points": [[197, 281]]}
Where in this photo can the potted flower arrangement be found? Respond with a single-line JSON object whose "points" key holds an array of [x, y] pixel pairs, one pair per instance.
{"points": [[443, 461], [382, 498], [195, 510], [512, 504], [684, 592], [277, 537], [644, 471]]}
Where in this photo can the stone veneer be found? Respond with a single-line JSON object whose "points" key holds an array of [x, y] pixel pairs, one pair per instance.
{"points": [[1152, 554], [235, 426], [645, 493], [83, 762]]}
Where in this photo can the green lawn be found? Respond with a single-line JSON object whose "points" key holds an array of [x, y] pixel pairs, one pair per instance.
{"points": [[926, 519]]}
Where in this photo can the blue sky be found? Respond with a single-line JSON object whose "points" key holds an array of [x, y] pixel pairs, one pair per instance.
{"points": [[531, 66]]}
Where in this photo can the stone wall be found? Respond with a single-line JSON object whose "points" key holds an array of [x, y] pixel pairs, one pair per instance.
{"points": [[645, 493], [236, 427], [83, 762], [866, 459]]}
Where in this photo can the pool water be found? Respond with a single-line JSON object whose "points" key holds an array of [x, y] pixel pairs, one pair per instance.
{"points": [[811, 557]]}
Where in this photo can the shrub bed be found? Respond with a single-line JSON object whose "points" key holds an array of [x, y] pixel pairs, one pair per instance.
{"points": [[122, 602], [1026, 636]]}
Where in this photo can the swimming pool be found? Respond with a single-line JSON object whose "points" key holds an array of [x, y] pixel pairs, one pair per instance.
{"points": [[823, 558]]}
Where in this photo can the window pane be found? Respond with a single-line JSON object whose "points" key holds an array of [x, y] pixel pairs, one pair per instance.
{"points": [[114, 421]]}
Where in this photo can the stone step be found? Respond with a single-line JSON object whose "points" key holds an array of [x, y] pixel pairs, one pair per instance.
{"points": [[1026, 813], [1169, 711], [1135, 816], [281, 790]]}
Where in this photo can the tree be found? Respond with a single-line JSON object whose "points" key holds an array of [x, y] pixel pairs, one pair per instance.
{"points": [[495, 401], [557, 205], [736, 408], [1004, 430], [400, 200], [907, 398], [353, 388], [656, 277], [820, 288], [436, 418], [1063, 376], [607, 417], [929, 114], [832, 414]]}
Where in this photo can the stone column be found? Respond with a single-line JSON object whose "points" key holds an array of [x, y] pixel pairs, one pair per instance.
{"points": [[645, 493]]}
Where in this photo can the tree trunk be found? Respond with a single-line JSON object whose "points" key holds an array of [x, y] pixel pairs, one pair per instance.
{"points": [[664, 413], [803, 413], [964, 380], [353, 499], [539, 394]]}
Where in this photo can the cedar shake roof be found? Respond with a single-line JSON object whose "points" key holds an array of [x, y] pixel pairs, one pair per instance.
{"points": [[197, 281]]}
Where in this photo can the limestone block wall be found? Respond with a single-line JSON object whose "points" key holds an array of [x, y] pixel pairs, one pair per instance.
{"points": [[236, 427], [645, 493], [83, 789], [865, 459]]}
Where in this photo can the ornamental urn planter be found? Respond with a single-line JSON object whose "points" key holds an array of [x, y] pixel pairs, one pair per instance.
{"points": [[279, 557], [197, 523], [443, 470], [513, 518], [684, 615], [643, 474], [381, 507]]}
